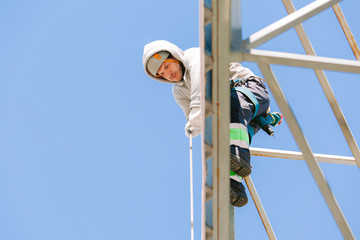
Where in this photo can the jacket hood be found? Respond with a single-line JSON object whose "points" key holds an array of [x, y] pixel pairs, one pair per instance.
{"points": [[158, 46]]}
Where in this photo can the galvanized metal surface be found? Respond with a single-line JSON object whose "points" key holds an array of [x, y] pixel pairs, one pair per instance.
{"points": [[297, 60], [260, 208], [275, 153], [204, 19], [217, 109], [345, 27], [326, 85], [306, 150], [216, 61], [287, 22], [221, 119]]}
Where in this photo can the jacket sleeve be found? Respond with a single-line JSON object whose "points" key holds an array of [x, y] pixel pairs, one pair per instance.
{"points": [[194, 120], [187, 94], [182, 99]]}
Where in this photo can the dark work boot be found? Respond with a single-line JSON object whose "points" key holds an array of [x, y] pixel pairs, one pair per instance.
{"points": [[240, 160], [238, 197], [240, 164]]}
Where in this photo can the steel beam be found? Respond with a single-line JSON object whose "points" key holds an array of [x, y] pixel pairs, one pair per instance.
{"points": [[287, 22], [325, 83], [260, 208], [346, 29], [307, 152], [275, 153], [297, 60]]}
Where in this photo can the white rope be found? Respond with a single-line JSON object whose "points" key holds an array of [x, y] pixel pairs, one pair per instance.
{"points": [[191, 191]]}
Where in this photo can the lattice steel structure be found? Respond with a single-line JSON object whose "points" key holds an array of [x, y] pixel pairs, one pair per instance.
{"points": [[221, 43]]}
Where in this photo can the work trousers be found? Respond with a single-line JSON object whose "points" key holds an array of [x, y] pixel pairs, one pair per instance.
{"points": [[242, 112]]}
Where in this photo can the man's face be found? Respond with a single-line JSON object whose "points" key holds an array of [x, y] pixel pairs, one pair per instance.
{"points": [[171, 71]]}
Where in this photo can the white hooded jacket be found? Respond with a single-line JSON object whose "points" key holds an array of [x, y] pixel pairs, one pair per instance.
{"points": [[187, 91]]}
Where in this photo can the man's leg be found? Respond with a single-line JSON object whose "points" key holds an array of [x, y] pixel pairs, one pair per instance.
{"points": [[238, 195], [242, 112], [241, 115]]}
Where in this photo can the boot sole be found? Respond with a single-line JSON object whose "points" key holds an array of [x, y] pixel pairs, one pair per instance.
{"points": [[237, 200], [241, 168]]}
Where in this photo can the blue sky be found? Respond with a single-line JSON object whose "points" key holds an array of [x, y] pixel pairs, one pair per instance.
{"points": [[91, 148]]}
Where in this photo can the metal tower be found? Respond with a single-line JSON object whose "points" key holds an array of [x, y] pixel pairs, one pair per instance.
{"points": [[221, 43]]}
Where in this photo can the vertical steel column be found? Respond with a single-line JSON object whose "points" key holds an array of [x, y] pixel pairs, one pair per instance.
{"points": [[206, 113], [221, 120], [215, 43]]}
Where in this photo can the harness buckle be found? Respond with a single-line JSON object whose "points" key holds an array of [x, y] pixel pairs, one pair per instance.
{"points": [[242, 81]]}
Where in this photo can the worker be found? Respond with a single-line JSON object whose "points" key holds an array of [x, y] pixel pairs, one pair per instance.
{"points": [[167, 63]]}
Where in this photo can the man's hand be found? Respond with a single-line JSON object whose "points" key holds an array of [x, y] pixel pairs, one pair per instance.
{"points": [[189, 129]]}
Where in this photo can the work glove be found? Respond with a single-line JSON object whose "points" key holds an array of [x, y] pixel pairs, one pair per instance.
{"points": [[190, 129]]}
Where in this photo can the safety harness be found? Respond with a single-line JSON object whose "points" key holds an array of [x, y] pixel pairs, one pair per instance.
{"points": [[272, 118]]}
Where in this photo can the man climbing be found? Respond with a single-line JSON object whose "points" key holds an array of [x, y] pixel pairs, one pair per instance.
{"points": [[165, 62]]}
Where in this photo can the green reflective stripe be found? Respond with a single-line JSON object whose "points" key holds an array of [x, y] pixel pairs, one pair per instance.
{"points": [[234, 176], [239, 134], [239, 143]]}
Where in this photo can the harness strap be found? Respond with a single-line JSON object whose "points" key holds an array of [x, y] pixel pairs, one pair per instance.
{"points": [[251, 133], [250, 95]]}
